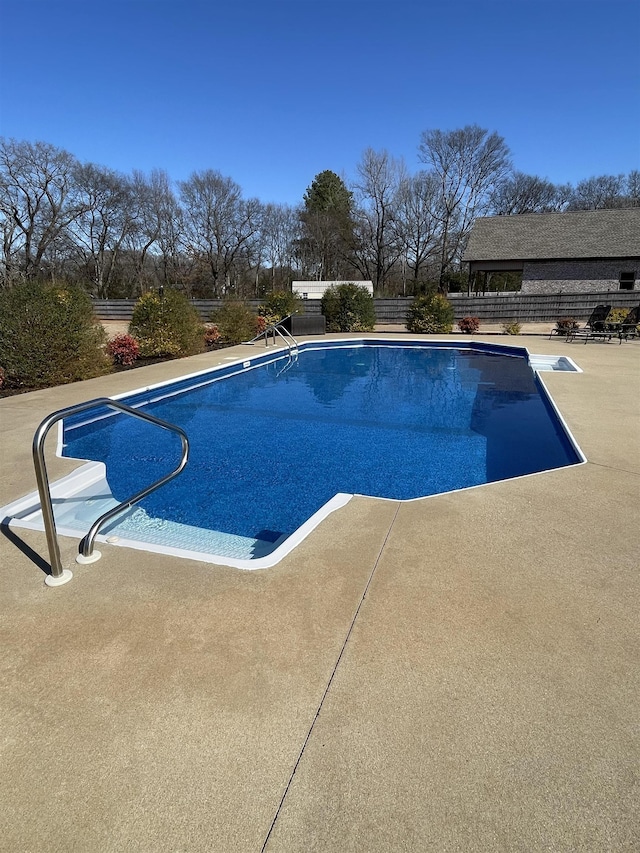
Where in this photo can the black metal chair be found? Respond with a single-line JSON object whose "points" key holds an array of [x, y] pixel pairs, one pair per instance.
{"points": [[595, 327]]}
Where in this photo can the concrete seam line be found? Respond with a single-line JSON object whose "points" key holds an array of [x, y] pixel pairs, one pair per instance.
{"points": [[613, 468], [331, 677]]}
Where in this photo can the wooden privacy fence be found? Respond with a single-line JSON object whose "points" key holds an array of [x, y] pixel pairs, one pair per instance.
{"points": [[490, 308], [538, 307], [122, 309]]}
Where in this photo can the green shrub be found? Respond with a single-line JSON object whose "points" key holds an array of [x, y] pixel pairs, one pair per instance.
{"points": [[166, 325], [469, 325], [236, 322], [617, 315], [512, 327], [49, 335], [348, 308], [430, 314], [279, 304]]}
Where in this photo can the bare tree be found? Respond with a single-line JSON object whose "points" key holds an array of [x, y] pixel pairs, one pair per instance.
{"points": [[633, 187], [37, 203], [155, 205], [172, 263], [564, 193], [417, 222], [607, 191], [469, 162], [107, 220], [127, 233], [598, 192], [281, 228], [521, 193], [10, 239], [377, 246], [219, 223]]}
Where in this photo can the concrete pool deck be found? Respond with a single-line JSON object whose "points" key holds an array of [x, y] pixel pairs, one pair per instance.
{"points": [[459, 673]]}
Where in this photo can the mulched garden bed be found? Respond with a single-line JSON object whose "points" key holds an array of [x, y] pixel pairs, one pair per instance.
{"points": [[11, 391]]}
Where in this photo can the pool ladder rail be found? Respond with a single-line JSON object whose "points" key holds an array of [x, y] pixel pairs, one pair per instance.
{"points": [[86, 554], [278, 329]]}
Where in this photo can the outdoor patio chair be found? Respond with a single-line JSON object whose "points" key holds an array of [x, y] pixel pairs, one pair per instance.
{"points": [[595, 327]]}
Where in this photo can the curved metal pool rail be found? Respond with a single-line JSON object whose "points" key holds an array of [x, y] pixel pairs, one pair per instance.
{"points": [[58, 574], [277, 329]]}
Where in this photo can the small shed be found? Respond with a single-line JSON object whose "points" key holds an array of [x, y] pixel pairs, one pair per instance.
{"points": [[315, 289]]}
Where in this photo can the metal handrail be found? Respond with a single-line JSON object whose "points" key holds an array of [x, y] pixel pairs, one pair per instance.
{"points": [[274, 328], [58, 574]]}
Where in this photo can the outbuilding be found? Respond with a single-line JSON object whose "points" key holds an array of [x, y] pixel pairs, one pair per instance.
{"points": [[316, 289], [580, 251]]}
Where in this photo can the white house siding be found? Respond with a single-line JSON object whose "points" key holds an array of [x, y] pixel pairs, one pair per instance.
{"points": [[577, 276], [316, 289]]}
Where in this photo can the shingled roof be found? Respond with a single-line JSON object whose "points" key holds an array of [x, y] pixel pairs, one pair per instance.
{"points": [[539, 236]]}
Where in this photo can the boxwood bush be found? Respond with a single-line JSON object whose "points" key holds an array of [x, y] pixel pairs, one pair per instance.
{"points": [[431, 313], [348, 308], [279, 304], [166, 325], [235, 321], [49, 335]]}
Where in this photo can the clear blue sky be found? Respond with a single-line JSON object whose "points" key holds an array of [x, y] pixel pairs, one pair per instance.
{"points": [[271, 92]]}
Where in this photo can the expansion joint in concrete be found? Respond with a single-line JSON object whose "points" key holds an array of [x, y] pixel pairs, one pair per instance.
{"points": [[331, 677]]}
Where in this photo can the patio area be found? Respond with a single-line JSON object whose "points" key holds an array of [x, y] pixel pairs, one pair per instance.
{"points": [[460, 673]]}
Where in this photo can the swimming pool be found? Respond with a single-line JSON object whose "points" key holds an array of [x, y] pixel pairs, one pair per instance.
{"points": [[279, 442]]}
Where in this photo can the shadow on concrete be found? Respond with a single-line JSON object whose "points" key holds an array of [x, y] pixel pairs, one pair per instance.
{"points": [[22, 546]]}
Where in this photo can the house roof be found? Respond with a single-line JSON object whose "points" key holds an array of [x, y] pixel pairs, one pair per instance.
{"points": [[537, 236]]}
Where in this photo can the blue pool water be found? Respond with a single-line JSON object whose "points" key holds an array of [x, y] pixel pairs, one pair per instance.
{"points": [[269, 446]]}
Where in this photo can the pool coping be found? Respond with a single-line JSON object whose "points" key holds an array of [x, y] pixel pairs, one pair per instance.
{"points": [[23, 513]]}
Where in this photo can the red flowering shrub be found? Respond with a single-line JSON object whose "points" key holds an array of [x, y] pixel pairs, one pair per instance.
{"points": [[469, 325], [565, 325], [261, 324], [211, 336], [123, 349]]}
